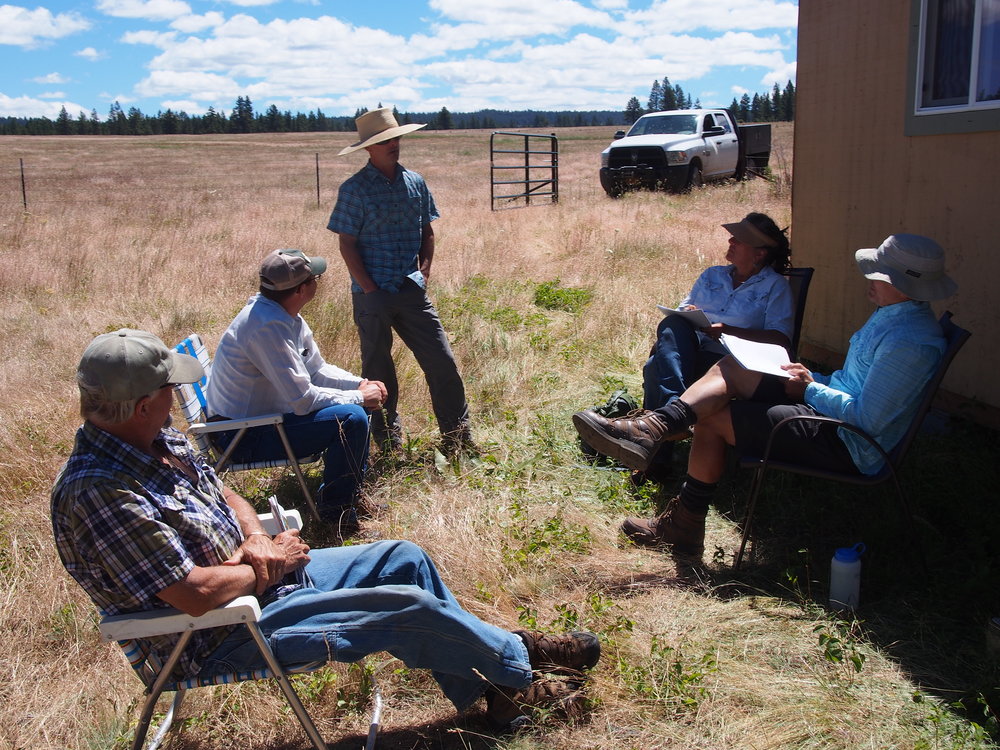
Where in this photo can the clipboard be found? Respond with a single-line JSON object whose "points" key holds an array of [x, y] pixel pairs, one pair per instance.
{"points": [[753, 355], [697, 318]]}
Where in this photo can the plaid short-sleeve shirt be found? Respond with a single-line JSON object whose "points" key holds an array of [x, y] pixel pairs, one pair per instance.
{"points": [[387, 217], [126, 527]]}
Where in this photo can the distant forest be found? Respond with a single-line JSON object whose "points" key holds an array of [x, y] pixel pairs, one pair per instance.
{"points": [[778, 105]]}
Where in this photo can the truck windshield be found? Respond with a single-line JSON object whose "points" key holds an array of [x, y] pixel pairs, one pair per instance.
{"points": [[672, 124]]}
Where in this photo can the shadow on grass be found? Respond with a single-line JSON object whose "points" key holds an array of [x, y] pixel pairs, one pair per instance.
{"points": [[932, 623]]}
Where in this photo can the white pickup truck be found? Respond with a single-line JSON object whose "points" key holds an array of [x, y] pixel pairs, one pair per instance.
{"points": [[680, 149]]}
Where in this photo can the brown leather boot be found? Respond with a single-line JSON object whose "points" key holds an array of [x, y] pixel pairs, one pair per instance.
{"points": [[632, 440], [676, 526]]}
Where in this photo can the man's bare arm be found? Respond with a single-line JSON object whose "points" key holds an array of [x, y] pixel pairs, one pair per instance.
{"points": [[355, 265]]}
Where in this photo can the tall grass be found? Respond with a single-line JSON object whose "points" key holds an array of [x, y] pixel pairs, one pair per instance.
{"points": [[549, 308]]}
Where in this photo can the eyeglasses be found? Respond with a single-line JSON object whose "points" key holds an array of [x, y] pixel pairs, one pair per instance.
{"points": [[317, 277]]}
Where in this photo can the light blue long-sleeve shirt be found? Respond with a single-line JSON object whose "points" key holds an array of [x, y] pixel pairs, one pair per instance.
{"points": [[889, 361], [763, 302]]}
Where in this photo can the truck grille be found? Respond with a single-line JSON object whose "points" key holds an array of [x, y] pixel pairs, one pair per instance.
{"points": [[637, 156]]}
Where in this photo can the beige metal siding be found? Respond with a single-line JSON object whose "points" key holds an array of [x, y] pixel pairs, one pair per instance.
{"points": [[858, 178]]}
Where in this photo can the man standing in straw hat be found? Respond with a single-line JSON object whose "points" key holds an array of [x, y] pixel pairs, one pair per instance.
{"points": [[889, 361], [383, 216]]}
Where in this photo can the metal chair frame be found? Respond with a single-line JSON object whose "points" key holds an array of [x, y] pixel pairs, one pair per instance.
{"points": [[892, 460], [193, 405]]}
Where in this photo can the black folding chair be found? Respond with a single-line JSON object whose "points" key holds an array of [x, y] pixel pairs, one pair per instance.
{"points": [[956, 338]]}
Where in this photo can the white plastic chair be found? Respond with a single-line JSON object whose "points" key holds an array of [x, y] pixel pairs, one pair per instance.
{"points": [[129, 630], [191, 399]]}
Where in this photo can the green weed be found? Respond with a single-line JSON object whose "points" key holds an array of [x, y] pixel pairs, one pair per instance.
{"points": [[549, 295]]}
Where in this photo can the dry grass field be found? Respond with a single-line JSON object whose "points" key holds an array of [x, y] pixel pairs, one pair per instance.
{"points": [[167, 233]]}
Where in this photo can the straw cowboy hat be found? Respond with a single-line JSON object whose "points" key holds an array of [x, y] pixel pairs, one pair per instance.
{"points": [[377, 126]]}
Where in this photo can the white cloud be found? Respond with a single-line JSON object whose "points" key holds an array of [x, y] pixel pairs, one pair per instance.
{"points": [[611, 4], [154, 38], [780, 75], [53, 95], [150, 10], [51, 78], [252, 3], [198, 86], [30, 28], [680, 16], [89, 53], [26, 106], [184, 105], [194, 23], [502, 19]]}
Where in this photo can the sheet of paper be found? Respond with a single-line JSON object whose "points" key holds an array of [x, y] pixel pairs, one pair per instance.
{"points": [[697, 318], [753, 355]]}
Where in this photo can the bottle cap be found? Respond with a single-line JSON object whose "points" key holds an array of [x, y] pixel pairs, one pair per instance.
{"points": [[849, 554]]}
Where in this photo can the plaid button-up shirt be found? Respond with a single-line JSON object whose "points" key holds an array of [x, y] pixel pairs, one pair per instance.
{"points": [[387, 217], [127, 526]]}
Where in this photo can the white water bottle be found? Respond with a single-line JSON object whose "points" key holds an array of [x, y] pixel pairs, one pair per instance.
{"points": [[845, 577]]}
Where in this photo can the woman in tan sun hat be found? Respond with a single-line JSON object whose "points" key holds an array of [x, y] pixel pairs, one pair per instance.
{"points": [[383, 215]]}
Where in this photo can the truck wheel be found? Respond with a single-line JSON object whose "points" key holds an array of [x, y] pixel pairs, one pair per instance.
{"points": [[695, 177], [614, 190]]}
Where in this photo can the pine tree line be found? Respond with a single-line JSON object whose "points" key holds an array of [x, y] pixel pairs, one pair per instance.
{"points": [[243, 119], [776, 106]]}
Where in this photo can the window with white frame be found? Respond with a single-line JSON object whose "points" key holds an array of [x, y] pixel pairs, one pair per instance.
{"points": [[959, 67]]}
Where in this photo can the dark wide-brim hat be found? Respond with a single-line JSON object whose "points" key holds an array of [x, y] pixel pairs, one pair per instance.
{"points": [[377, 126], [913, 264]]}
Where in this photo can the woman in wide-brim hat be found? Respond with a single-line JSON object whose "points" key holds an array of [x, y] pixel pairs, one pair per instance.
{"points": [[378, 126]]}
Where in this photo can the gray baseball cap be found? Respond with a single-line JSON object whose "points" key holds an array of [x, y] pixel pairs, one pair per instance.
{"points": [[286, 269], [127, 364]]}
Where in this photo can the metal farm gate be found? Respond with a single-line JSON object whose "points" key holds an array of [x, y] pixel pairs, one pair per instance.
{"points": [[523, 165]]}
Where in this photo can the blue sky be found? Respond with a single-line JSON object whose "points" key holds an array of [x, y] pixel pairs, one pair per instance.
{"points": [[418, 55]]}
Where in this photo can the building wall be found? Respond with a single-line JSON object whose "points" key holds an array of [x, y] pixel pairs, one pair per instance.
{"points": [[858, 179]]}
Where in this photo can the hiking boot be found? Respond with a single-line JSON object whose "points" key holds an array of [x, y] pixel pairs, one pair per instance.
{"points": [[676, 526], [632, 440], [553, 653], [459, 441], [508, 709]]}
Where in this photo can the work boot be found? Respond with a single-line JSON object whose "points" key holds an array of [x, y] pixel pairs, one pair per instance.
{"points": [[459, 440], [631, 440], [508, 709], [553, 653], [676, 526]]}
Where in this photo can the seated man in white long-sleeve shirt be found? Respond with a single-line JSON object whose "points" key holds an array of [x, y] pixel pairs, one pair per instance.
{"points": [[267, 362]]}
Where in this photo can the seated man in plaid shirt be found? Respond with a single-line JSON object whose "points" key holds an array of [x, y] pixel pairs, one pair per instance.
{"points": [[142, 523]]}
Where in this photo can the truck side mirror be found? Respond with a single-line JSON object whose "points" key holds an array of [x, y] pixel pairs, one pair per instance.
{"points": [[619, 134], [715, 130]]}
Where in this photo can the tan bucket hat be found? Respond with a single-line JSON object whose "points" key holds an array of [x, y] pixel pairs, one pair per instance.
{"points": [[911, 263], [377, 126]]}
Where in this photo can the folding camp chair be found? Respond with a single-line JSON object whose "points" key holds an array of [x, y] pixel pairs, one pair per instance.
{"points": [[191, 399], [129, 630], [955, 338], [799, 280]]}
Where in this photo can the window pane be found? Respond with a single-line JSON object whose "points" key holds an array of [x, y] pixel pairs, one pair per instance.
{"points": [[948, 52], [989, 52]]}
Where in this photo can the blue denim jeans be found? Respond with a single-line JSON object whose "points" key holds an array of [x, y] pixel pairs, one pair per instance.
{"points": [[678, 359], [385, 596], [339, 431]]}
